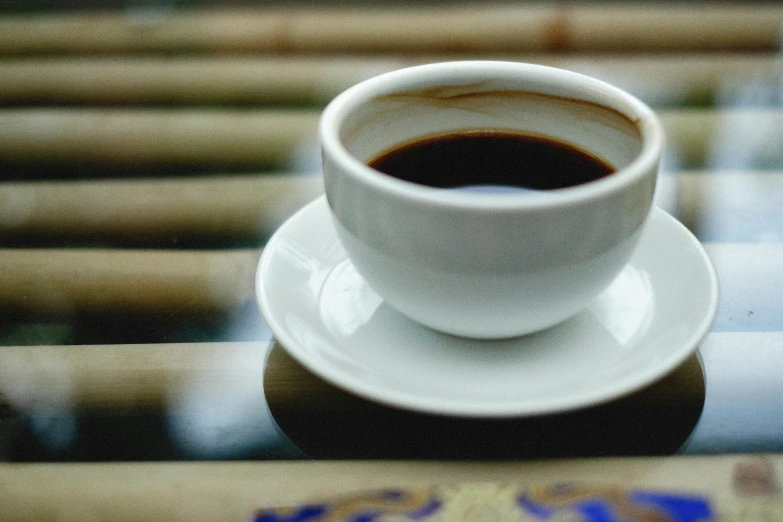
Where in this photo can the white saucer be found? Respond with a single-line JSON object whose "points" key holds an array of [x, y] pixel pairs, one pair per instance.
{"points": [[642, 327]]}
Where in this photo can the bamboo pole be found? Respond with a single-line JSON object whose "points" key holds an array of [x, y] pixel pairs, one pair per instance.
{"points": [[281, 30], [660, 79], [255, 205], [112, 377], [735, 138], [63, 280], [134, 136], [716, 205], [248, 205], [66, 379], [665, 81], [205, 136], [248, 379], [196, 492], [228, 205], [202, 79], [670, 28], [498, 28]]}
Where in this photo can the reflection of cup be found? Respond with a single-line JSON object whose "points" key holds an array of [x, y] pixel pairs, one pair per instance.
{"points": [[481, 264]]}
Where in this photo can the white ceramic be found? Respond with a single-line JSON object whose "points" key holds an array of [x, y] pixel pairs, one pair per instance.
{"points": [[645, 324], [488, 265]]}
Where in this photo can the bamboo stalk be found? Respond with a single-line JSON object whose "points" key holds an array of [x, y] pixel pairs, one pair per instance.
{"points": [[503, 28], [269, 137], [279, 137], [226, 79], [233, 491], [666, 80], [249, 205], [657, 28], [259, 381], [64, 379], [61, 280], [281, 30], [715, 204], [660, 80], [111, 377], [741, 138], [182, 379]]}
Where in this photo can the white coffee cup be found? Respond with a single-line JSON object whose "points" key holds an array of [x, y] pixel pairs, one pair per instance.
{"points": [[479, 264]]}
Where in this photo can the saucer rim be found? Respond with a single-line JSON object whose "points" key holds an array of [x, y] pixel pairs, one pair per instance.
{"points": [[506, 409]]}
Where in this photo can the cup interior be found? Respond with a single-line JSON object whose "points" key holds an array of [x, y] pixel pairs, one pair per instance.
{"points": [[384, 114]]}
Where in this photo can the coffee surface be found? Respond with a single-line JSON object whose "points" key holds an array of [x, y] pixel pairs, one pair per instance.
{"points": [[491, 158]]}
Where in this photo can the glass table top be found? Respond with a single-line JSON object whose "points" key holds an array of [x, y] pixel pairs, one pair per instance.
{"points": [[147, 153]]}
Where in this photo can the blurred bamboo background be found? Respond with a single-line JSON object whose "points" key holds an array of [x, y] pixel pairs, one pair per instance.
{"points": [[115, 126], [147, 151]]}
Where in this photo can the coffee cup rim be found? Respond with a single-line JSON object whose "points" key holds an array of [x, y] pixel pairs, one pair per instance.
{"points": [[647, 123]]}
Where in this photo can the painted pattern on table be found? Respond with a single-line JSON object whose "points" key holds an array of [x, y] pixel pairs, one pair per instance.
{"points": [[500, 503]]}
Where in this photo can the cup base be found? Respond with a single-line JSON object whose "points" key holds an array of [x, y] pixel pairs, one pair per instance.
{"points": [[481, 304]]}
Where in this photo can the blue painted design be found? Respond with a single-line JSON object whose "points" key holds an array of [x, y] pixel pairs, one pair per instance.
{"points": [[302, 514], [597, 505], [596, 511], [679, 508], [366, 507], [588, 504], [591, 510], [426, 511], [392, 494]]}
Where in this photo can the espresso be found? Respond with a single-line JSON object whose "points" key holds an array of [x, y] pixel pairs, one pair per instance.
{"points": [[491, 158]]}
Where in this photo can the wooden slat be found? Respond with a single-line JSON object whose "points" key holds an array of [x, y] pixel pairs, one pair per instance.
{"points": [[661, 80], [62, 280], [414, 30], [278, 137], [227, 205], [232, 491]]}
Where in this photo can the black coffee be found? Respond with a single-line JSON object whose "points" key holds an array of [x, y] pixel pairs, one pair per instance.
{"points": [[486, 158]]}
